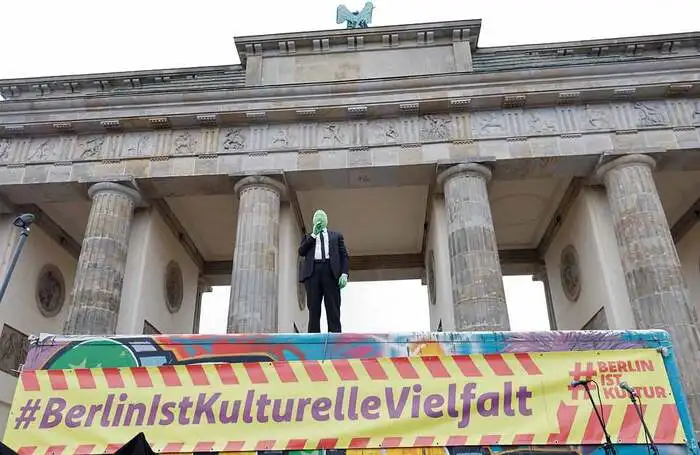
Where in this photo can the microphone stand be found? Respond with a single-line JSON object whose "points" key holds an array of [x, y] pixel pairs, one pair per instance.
{"points": [[647, 433], [608, 446]]}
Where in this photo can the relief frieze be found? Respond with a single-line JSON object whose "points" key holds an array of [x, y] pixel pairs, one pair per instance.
{"points": [[436, 128], [5, 146], [136, 145], [595, 117], [90, 147], [185, 143], [232, 140], [649, 115], [43, 150], [540, 121], [520, 123], [490, 124]]}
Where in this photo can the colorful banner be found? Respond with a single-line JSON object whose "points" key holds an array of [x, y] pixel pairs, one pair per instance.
{"points": [[490, 399]]}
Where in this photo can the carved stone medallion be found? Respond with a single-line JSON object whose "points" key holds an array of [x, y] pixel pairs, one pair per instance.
{"points": [[50, 291], [570, 273], [173, 287]]}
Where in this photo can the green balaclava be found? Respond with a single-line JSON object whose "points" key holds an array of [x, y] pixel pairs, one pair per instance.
{"points": [[320, 221]]}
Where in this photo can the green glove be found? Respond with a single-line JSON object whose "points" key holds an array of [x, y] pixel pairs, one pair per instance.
{"points": [[318, 227], [343, 281]]}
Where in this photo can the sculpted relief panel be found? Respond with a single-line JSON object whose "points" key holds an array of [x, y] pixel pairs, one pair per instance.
{"points": [[262, 138]]}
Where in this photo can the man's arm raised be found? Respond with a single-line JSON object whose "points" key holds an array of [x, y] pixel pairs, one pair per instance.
{"points": [[306, 244]]}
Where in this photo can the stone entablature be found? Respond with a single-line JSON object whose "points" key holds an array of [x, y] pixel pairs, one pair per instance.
{"points": [[371, 99], [263, 139]]}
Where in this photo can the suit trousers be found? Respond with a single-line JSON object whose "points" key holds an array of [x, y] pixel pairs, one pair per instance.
{"points": [[322, 285]]}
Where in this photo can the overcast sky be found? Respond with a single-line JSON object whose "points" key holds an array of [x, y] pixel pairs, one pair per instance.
{"points": [[55, 37]]}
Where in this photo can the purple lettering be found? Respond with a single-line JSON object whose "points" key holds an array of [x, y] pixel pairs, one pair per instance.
{"points": [[74, 415], [94, 409], [352, 404], [338, 412], [432, 406], [452, 401], [155, 403], [248, 407], [104, 421], [205, 407], [120, 409], [277, 416], [493, 399], [523, 394], [370, 406], [53, 414], [131, 409], [467, 397], [395, 408], [321, 405], [235, 411], [508, 399], [262, 403], [415, 403], [185, 405], [168, 414], [303, 403]]}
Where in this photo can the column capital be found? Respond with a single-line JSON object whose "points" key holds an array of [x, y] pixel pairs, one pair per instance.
{"points": [[635, 159], [540, 274], [472, 169], [262, 182], [112, 187]]}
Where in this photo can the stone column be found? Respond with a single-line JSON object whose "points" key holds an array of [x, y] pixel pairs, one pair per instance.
{"points": [[477, 283], [254, 278], [657, 290], [96, 294], [542, 277]]}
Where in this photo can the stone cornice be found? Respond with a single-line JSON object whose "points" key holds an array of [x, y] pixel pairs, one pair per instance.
{"points": [[198, 78], [667, 43], [123, 82], [344, 40], [371, 99]]}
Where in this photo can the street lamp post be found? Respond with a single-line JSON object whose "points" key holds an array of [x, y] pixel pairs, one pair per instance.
{"points": [[22, 222]]}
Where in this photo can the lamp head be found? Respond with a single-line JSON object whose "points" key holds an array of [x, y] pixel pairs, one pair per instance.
{"points": [[320, 218], [23, 221]]}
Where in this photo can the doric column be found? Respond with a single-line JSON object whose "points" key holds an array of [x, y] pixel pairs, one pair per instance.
{"points": [[97, 288], [657, 291], [254, 279], [202, 287], [541, 276], [477, 283]]}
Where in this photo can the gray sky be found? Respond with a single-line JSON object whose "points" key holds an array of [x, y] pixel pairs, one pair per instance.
{"points": [[50, 37]]}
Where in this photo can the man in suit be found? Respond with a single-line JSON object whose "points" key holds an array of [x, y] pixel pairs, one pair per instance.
{"points": [[324, 272]]}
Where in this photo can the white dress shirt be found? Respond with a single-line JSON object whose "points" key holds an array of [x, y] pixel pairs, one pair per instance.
{"points": [[317, 254]]}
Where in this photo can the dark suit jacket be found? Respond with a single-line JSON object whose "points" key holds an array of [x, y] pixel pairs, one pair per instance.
{"points": [[338, 254]]}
